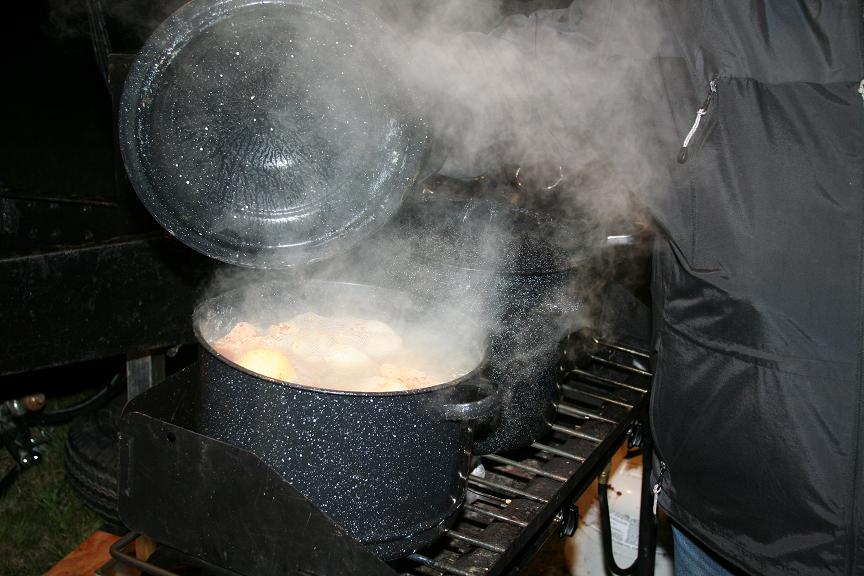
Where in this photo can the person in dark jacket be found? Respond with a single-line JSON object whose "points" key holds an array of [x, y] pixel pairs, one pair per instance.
{"points": [[756, 406], [755, 111]]}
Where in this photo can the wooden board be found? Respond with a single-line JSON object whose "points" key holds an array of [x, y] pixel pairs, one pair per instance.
{"points": [[88, 557]]}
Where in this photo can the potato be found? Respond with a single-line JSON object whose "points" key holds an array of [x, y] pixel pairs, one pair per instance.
{"points": [[268, 362]]}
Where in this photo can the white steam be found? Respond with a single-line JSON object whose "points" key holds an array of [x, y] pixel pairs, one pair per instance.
{"points": [[556, 94]]}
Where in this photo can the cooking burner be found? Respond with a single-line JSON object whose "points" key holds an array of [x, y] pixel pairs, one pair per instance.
{"points": [[523, 497]]}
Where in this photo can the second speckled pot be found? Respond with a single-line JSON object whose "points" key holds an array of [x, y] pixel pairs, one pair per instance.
{"points": [[390, 468], [492, 261]]}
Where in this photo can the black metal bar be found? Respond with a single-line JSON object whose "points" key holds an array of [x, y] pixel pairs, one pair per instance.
{"points": [[440, 566], [482, 482], [476, 542], [622, 348], [116, 551], [606, 528], [570, 388], [601, 380], [571, 411], [557, 451], [576, 433], [541, 524], [531, 548], [491, 499], [619, 366], [643, 565], [534, 470], [496, 516], [647, 520]]}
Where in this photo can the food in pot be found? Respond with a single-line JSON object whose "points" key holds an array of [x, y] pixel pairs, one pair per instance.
{"points": [[372, 338], [239, 337], [269, 362], [336, 352], [392, 378], [409, 377], [281, 330]]}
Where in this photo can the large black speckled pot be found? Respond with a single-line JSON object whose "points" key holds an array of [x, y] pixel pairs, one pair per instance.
{"points": [[390, 468]]}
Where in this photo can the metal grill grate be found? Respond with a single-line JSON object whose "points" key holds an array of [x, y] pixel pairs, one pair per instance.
{"points": [[524, 497]]}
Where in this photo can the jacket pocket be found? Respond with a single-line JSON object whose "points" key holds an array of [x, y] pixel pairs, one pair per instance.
{"points": [[692, 110], [763, 159], [696, 173], [697, 121], [742, 440]]}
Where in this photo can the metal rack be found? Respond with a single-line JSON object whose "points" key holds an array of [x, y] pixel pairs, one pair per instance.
{"points": [[523, 498]]}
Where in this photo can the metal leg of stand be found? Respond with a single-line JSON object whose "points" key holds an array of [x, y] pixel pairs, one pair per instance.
{"points": [[647, 521], [118, 553], [143, 371]]}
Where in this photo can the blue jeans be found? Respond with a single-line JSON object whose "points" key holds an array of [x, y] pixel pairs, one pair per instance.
{"points": [[691, 559]]}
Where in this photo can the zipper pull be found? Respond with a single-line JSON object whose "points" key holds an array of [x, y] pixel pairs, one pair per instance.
{"points": [[658, 487], [712, 89], [861, 89]]}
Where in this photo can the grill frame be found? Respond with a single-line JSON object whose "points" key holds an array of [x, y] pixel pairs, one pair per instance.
{"points": [[608, 400], [551, 517]]}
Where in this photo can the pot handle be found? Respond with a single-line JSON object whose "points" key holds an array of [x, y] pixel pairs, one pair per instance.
{"points": [[622, 240], [477, 410]]}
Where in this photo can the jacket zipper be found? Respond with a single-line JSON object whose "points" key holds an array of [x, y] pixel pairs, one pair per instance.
{"points": [[712, 90], [852, 556]]}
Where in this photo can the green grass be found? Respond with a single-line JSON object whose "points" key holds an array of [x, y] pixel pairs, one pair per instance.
{"points": [[41, 518]]}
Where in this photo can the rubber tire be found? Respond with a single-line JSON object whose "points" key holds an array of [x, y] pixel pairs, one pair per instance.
{"points": [[91, 460]]}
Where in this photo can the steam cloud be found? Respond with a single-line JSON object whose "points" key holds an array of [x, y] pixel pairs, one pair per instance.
{"points": [[558, 93], [555, 88]]}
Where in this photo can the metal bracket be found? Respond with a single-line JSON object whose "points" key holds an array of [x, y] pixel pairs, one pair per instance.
{"points": [[143, 371], [16, 436], [568, 520], [634, 435]]}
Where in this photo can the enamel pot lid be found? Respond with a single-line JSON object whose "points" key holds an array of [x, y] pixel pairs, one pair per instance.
{"points": [[269, 133]]}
